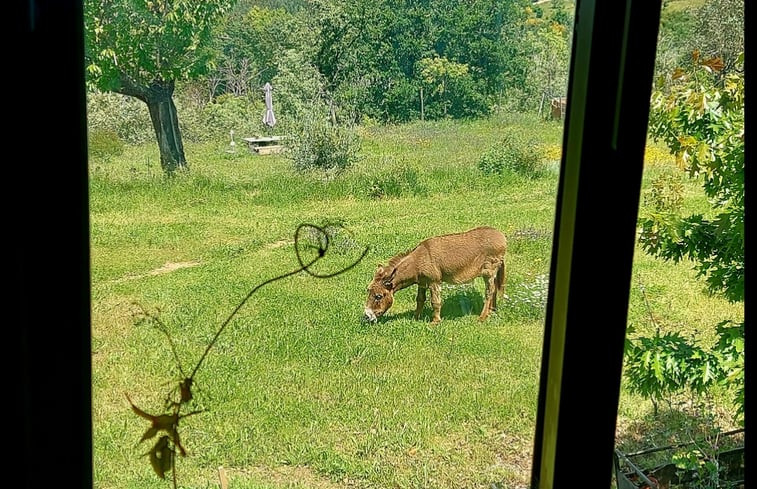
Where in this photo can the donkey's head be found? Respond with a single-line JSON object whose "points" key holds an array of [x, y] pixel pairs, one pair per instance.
{"points": [[380, 293]]}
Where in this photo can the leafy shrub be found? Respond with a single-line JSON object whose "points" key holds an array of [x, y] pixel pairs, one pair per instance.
{"points": [[125, 116], [666, 363], [515, 153], [319, 145], [297, 87], [215, 120], [105, 144], [401, 102], [665, 193], [406, 181]]}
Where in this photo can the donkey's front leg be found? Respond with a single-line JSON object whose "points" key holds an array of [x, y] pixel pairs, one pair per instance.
{"points": [[436, 302], [420, 301]]}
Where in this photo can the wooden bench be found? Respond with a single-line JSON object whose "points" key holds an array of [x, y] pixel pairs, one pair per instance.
{"points": [[265, 145]]}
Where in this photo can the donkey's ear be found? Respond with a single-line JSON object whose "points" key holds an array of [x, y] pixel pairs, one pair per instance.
{"points": [[391, 275], [388, 280]]}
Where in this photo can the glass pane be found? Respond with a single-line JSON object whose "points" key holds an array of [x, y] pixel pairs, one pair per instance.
{"points": [[215, 133], [680, 422]]}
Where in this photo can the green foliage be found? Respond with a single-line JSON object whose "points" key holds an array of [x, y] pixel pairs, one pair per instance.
{"points": [[703, 125], [243, 115], [545, 59], [147, 40], [451, 87], [719, 32], [321, 146], [730, 352], [115, 113], [405, 181], [104, 145], [713, 29], [297, 90], [516, 153], [461, 52], [249, 44], [402, 103], [666, 363], [701, 119], [665, 194], [561, 14], [703, 469]]}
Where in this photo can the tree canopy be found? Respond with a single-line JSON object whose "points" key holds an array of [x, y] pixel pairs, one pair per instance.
{"points": [[140, 48], [141, 41]]}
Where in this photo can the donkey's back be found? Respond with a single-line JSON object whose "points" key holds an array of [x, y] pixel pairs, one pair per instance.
{"points": [[460, 257]]}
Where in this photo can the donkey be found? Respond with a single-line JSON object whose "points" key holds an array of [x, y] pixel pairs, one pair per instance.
{"points": [[451, 258]]}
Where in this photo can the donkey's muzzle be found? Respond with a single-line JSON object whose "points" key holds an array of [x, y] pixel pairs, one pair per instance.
{"points": [[369, 316]]}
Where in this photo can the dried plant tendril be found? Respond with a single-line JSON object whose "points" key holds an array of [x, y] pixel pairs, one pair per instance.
{"points": [[311, 244]]}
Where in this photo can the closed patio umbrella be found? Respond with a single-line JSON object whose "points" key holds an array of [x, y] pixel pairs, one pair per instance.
{"points": [[268, 118]]}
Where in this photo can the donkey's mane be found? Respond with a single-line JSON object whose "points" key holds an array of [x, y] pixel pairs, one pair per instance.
{"points": [[394, 261]]}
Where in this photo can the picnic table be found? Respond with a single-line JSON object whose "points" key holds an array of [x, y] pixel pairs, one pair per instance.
{"points": [[265, 145]]}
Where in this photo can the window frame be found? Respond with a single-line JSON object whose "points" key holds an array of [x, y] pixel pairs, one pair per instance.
{"points": [[610, 84], [606, 122]]}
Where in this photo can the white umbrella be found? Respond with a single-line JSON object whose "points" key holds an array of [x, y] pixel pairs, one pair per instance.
{"points": [[268, 119]]}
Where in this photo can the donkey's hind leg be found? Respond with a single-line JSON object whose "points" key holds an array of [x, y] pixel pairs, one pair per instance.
{"points": [[489, 295], [499, 284], [436, 302]]}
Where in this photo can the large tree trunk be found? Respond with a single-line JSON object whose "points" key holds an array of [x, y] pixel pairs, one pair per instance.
{"points": [[159, 99]]}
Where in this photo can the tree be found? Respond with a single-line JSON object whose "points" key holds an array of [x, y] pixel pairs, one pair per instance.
{"points": [[377, 46], [440, 74], [548, 74], [701, 119], [719, 31], [140, 48]]}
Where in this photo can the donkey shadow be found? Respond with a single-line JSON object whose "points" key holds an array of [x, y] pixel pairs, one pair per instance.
{"points": [[455, 304]]}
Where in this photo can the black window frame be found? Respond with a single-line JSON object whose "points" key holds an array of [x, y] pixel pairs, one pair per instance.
{"points": [[611, 74]]}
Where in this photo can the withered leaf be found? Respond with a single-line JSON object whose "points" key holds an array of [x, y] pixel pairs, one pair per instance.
{"points": [[715, 63], [164, 422], [185, 388], [148, 434], [138, 411], [161, 457]]}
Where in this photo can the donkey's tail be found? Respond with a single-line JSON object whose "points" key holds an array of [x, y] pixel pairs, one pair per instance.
{"points": [[499, 281]]}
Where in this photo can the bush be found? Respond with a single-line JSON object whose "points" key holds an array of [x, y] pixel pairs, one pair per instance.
{"points": [[322, 146], [515, 153], [665, 194], [297, 88], [105, 144], [124, 116], [397, 183]]}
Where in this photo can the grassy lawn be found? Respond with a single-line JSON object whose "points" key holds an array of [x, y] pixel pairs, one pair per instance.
{"points": [[299, 392]]}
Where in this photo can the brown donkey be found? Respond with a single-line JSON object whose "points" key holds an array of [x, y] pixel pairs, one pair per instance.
{"points": [[452, 258]]}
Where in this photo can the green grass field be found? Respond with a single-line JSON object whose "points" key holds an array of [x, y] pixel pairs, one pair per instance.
{"points": [[299, 392]]}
